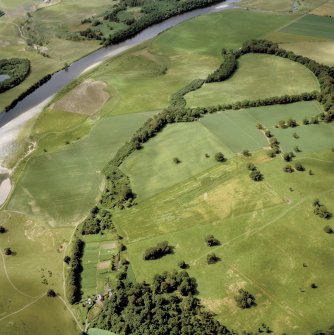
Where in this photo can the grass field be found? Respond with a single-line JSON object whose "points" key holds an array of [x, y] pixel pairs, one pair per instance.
{"points": [[152, 169], [96, 331], [60, 186], [143, 79], [311, 25], [24, 308], [249, 219], [257, 77], [326, 9]]}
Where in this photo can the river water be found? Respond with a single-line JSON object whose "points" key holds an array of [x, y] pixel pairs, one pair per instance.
{"points": [[12, 122]]}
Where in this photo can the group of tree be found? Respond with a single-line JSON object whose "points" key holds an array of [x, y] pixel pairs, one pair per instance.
{"points": [[160, 250], [254, 173], [244, 299], [97, 221], [288, 156], [73, 278], [225, 70], [212, 258], [17, 70], [167, 306], [321, 210], [211, 241], [291, 123]]}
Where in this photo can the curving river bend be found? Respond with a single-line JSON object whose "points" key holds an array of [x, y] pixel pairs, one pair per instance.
{"points": [[14, 121]]}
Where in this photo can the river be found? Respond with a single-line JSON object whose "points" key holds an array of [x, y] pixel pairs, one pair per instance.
{"points": [[12, 122]]}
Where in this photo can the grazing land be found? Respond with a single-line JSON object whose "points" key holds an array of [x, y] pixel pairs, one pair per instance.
{"points": [[258, 77], [311, 25], [270, 242], [327, 9]]}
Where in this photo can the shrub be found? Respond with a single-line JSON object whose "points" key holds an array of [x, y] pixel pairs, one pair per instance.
{"points": [[183, 265], [212, 258], [246, 153], [176, 160], [299, 167], [288, 168], [219, 157], [256, 175], [328, 230], [160, 250], [321, 210], [244, 299], [51, 293], [211, 241], [2, 230], [8, 251]]}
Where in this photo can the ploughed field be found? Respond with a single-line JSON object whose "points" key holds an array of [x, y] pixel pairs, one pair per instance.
{"points": [[272, 244]]}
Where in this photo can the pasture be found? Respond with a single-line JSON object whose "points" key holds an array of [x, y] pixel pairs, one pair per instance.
{"points": [[249, 219], [311, 25], [24, 307], [324, 10], [152, 169], [257, 77], [61, 186], [143, 79]]}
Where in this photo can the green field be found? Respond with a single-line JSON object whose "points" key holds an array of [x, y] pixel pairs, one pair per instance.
{"points": [[96, 331], [311, 25], [61, 186], [152, 169], [257, 77], [137, 81], [23, 301], [249, 219], [267, 229]]}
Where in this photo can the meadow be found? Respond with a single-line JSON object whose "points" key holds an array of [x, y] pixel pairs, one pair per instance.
{"points": [[182, 203], [152, 169], [312, 25], [249, 219], [257, 77], [75, 169]]}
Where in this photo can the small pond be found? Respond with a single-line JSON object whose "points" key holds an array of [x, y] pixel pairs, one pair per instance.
{"points": [[4, 77]]}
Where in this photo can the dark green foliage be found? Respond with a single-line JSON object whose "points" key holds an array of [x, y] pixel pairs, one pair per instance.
{"points": [[176, 160], [295, 135], [2, 13], [328, 230], [17, 69], [8, 251], [314, 285], [299, 167], [288, 168], [246, 153], [2, 229], [67, 259], [168, 306], [321, 210], [268, 133], [51, 293], [251, 167], [288, 156], [118, 191], [211, 241], [212, 258], [256, 175], [219, 157], [292, 123], [244, 299], [73, 278], [160, 250], [225, 70], [183, 265]]}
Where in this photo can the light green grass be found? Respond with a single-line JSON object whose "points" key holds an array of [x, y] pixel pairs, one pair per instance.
{"points": [[312, 138], [257, 77], [152, 169], [37, 249], [135, 79], [311, 25], [61, 186], [267, 233]]}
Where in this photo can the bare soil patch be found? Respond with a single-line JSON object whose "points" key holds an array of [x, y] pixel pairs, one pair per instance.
{"points": [[103, 265], [87, 98]]}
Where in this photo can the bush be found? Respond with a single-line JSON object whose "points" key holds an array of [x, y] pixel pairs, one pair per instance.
{"points": [[321, 210], [51, 293], [212, 258], [244, 299], [256, 175], [2, 230], [160, 250], [183, 265], [211, 241], [328, 230], [176, 160], [8, 251], [288, 168], [299, 167], [219, 157]]}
